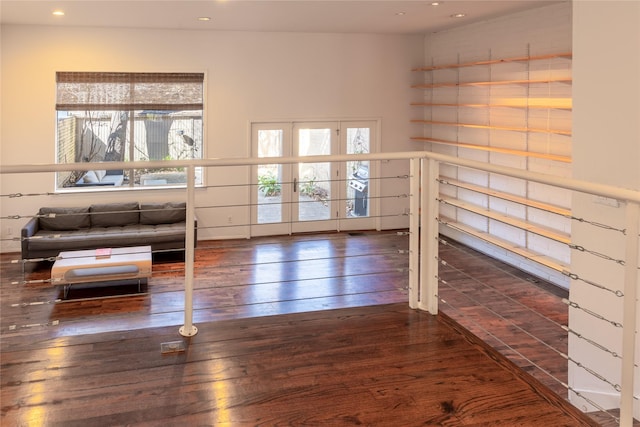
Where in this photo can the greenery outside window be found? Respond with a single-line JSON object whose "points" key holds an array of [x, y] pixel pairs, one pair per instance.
{"points": [[122, 117]]}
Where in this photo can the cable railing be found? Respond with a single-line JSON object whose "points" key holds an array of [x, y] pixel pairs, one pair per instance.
{"points": [[417, 198]]}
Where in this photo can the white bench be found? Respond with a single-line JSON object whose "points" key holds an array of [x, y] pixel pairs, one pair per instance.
{"points": [[76, 267]]}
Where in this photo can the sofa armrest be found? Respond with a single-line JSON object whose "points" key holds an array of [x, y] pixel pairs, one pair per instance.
{"points": [[28, 230]]}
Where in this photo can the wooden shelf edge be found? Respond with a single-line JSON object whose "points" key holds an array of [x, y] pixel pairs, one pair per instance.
{"points": [[567, 55], [493, 83], [506, 196], [521, 153], [510, 128], [508, 246], [514, 222], [535, 106]]}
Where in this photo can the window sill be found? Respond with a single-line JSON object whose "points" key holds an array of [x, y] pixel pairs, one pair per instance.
{"points": [[122, 188]]}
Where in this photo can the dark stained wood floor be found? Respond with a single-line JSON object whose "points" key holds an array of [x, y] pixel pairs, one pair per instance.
{"points": [[514, 312], [290, 333], [383, 365]]}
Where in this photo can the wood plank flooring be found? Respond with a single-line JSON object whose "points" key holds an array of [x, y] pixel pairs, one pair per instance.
{"points": [[383, 365], [514, 312], [245, 278], [290, 333]]}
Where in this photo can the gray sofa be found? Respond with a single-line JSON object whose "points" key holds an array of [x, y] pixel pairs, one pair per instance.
{"points": [[53, 230]]}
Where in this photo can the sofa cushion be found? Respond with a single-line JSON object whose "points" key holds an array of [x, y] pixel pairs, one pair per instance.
{"points": [[110, 237], [114, 214], [101, 177], [162, 213], [90, 178], [60, 219], [100, 174], [115, 180]]}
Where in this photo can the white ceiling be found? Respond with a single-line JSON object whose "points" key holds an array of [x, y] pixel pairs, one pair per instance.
{"points": [[335, 16]]}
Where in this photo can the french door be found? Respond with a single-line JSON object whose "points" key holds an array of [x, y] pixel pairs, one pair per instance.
{"points": [[311, 196]]}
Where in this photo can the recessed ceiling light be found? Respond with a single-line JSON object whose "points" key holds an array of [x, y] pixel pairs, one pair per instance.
{"points": [[58, 13], [204, 18], [400, 13], [436, 3], [458, 15]]}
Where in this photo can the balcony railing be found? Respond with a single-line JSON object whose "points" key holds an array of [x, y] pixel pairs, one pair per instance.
{"points": [[427, 221]]}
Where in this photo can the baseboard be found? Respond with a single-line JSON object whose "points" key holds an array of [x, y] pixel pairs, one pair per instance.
{"points": [[605, 400]]}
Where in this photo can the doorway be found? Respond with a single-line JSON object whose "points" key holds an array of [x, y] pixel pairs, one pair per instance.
{"points": [[313, 196]]}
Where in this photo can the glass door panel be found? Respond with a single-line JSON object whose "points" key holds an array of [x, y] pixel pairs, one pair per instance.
{"points": [[313, 206], [269, 204], [271, 182], [358, 187], [357, 182], [313, 190]]}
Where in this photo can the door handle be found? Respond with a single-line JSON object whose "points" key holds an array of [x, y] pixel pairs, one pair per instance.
{"points": [[295, 185]]}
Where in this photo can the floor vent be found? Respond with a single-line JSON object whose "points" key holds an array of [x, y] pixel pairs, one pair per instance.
{"points": [[172, 347]]}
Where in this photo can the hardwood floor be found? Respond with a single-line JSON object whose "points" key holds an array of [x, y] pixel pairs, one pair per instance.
{"points": [[514, 312], [383, 365], [245, 278], [290, 333]]}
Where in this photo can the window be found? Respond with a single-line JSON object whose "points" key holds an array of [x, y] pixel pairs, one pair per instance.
{"points": [[115, 117]]}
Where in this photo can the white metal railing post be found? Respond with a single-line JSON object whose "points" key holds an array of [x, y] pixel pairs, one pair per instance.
{"points": [[632, 213], [189, 329], [414, 232], [429, 240]]}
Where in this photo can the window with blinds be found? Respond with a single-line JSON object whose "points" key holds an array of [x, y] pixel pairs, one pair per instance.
{"points": [[115, 116]]}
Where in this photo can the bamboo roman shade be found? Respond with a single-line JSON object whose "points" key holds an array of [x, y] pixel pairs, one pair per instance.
{"points": [[129, 91]]}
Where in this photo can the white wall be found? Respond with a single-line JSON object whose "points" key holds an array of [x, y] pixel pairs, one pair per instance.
{"points": [[606, 39], [538, 31], [250, 76]]}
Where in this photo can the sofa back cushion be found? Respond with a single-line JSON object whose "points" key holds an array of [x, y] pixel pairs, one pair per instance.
{"points": [[60, 219], [162, 213], [114, 214]]}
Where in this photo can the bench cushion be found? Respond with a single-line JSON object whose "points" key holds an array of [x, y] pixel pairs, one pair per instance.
{"points": [[112, 271]]}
